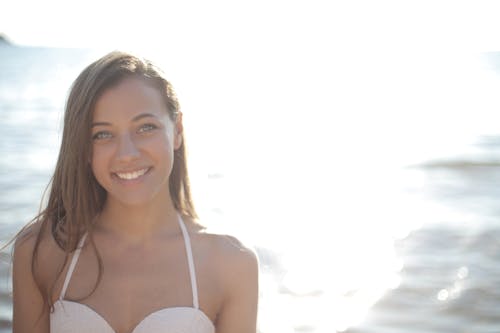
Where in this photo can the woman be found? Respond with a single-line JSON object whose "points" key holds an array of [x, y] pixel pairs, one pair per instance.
{"points": [[118, 248]]}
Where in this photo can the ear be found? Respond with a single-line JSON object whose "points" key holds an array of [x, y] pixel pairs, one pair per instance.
{"points": [[178, 131]]}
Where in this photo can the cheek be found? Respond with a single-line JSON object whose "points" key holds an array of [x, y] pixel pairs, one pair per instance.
{"points": [[161, 144], [97, 163]]}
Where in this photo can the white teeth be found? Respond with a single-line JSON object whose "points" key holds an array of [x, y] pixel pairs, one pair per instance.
{"points": [[132, 175]]}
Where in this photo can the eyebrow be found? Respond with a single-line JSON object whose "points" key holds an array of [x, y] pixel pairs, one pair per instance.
{"points": [[135, 119]]}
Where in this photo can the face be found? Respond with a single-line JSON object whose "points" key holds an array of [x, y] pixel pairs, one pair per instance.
{"points": [[133, 141]]}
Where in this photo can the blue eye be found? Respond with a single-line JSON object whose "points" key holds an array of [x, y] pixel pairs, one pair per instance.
{"points": [[147, 128], [101, 135]]}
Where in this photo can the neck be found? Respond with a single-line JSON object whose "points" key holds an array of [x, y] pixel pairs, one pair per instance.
{"points": [[138, 223]]}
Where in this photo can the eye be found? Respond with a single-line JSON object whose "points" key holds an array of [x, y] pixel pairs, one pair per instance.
{"points": [[101, 135], [147, 128]]}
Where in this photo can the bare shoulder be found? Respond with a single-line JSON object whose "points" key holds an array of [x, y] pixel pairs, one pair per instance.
{"points": [[36, 232], [230, 251], [25, 242], [30, 285], [235, 268], [229, 257], [36, 240]]}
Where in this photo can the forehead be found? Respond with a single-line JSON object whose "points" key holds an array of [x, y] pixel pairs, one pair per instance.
{"points": [[128, 98]]}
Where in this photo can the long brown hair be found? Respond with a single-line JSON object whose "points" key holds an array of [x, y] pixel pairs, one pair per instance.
{"points": [[75, 197]]}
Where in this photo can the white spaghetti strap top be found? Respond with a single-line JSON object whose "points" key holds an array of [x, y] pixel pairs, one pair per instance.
{"points": [[192, 272], [72, 266], [74, 317]]}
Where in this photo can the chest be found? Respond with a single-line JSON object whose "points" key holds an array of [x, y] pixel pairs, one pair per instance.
{"points": [[73, 317], [134, 290]]}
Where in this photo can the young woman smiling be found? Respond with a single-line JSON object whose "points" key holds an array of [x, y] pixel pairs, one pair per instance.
{"points": [[118, 247]]}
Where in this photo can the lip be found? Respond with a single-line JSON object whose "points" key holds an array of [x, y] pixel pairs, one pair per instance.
{"points": [[129, 172]]}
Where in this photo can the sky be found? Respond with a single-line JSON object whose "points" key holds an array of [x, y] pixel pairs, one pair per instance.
{"points": [[353, 25]]}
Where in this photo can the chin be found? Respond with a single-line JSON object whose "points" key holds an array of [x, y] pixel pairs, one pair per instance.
{"points": [[131, 200]]}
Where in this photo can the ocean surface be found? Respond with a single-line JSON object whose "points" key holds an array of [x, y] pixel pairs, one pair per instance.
{"points": [[364, 220]]}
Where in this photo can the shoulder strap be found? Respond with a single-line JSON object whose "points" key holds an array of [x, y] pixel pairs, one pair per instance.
{"points": [[192, 272], [72, 266]]}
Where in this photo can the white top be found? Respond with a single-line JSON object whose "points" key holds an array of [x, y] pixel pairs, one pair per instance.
{"points": [[74, 317]]}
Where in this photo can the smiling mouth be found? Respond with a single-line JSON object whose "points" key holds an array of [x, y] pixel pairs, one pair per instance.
{"points": [[131, 175]]}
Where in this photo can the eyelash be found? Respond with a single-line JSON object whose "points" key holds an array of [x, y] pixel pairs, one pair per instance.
{"points": [[99, 135], [147, 128], [106, 135]]}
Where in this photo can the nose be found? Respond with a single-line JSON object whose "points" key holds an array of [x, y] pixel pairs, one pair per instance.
{"points": [[127, 149]]}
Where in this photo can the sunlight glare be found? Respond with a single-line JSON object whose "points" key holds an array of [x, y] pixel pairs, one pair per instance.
{"points": [[301, 118]]}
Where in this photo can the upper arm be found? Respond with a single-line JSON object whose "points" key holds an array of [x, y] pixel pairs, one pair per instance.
{"points": [[240, 276], [29, 313]]}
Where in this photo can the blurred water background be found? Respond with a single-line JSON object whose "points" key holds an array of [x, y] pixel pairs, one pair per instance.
{"points": [[367, 186]]}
